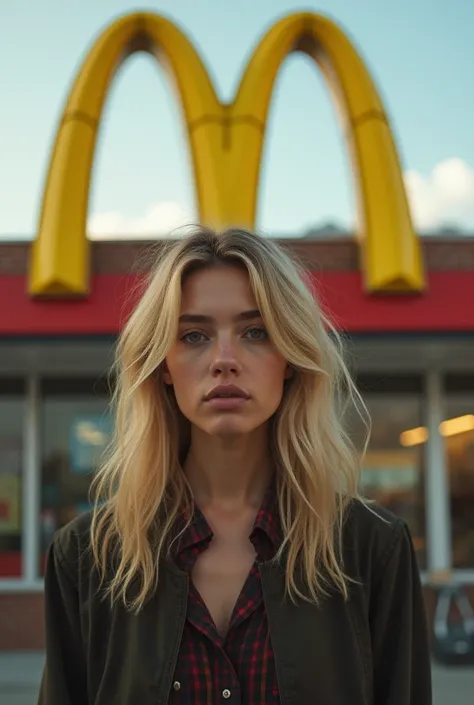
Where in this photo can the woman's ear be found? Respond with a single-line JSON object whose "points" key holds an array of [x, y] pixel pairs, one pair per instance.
{"points": [[167, 379], [289, 372]]}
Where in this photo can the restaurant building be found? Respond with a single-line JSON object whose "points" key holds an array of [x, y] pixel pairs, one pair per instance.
{"points": [[413, 356]]}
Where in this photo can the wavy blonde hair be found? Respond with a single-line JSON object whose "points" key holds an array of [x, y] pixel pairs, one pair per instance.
{"points": [[141, 486]]}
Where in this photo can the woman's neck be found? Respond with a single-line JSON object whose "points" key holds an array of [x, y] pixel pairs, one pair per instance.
{"points": [[229, 472]]}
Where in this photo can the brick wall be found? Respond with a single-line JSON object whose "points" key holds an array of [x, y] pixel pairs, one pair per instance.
{"points": [[21, 622], [342, 255]]}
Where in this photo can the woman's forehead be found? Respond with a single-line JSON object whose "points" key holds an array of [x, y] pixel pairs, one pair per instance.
{"points": [[218, 290]]}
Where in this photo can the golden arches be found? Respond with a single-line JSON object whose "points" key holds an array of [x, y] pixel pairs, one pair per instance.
{"points": [[226, 144], [60, 258], [391, 250]]}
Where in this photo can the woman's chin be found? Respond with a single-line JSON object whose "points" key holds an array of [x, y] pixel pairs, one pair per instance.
{"points": [[229, 427]]}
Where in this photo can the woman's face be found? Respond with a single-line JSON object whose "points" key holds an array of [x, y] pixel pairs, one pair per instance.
{"points": [[226, 374]]}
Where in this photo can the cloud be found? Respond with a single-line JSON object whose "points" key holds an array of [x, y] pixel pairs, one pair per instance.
{"points": [[159, 220], [443, 198]]}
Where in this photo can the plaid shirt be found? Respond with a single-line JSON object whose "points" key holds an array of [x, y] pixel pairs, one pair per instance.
{"points": [[241, 667]]}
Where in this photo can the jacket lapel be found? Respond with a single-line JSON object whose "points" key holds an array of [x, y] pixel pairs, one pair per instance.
{"points": [[320, 655], [141, 649], [169, 625]]}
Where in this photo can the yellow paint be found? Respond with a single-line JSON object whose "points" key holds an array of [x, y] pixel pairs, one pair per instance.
{"points": [[226, 142]]}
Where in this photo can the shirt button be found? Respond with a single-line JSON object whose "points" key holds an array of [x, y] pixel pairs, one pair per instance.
{"points": [[177, 685], [226, 694]]}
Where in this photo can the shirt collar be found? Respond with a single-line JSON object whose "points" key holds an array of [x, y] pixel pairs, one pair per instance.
{"points": [[193, 531], [268, 519]]}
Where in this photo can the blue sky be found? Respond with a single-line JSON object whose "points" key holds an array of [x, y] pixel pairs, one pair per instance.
{"points": [[421, 55]]}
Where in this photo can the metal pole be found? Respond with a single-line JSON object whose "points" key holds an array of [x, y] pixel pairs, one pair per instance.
{"points": [[31, 482], [438, 511]]}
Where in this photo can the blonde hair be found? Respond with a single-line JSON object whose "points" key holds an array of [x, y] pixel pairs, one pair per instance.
{"points": [[141, 487]]}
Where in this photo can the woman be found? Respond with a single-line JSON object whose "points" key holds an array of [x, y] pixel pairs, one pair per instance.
{"points": [[229, 557]]}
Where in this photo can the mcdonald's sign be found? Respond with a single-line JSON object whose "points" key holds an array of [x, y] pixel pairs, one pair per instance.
{"points": [[226, 141]]}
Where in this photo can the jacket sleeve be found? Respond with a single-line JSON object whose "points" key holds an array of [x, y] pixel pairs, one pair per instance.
{"points": [[64, 678], [400, 644]]}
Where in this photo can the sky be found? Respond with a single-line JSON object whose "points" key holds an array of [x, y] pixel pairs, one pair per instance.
{"points": [[421, 55]]}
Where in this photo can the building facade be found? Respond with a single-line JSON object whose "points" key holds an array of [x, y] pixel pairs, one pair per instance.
{"points": [[412, 355]]}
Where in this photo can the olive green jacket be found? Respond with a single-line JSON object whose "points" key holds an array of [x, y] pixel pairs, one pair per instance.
{"points": [[371, 649]]}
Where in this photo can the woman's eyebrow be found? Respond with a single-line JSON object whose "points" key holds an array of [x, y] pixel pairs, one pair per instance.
{"points": [[199, 318]]}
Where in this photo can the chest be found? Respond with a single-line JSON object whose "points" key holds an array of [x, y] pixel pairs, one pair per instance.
{"points": [[219, 575]]}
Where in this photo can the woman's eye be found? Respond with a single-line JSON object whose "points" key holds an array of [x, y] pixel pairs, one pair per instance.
{"points": [[256, 333], [193, 337]]}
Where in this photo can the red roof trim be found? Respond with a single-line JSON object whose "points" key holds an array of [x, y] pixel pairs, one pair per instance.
{"points": [[447, 306]]}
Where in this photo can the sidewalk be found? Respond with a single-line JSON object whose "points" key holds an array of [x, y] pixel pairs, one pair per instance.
{"points": [[20, 675]]}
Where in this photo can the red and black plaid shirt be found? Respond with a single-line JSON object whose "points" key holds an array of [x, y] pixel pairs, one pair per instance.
{"points": [[239, 668]]}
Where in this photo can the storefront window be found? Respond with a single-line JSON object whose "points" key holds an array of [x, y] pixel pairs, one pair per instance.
{"points": [[76, 427], [393, 473], [458, 433], [12, 407]]}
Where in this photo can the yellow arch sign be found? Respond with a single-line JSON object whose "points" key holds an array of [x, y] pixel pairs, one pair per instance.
{"points": [[226, 143]]}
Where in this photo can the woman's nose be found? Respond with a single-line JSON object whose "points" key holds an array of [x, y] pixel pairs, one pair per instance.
{"points": [[225, 359]]}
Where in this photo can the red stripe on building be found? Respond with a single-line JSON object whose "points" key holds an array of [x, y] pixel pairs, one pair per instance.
{"points": [[445, 307]]}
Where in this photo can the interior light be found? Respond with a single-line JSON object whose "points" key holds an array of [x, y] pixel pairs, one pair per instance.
{"points": [[450, 427]]}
